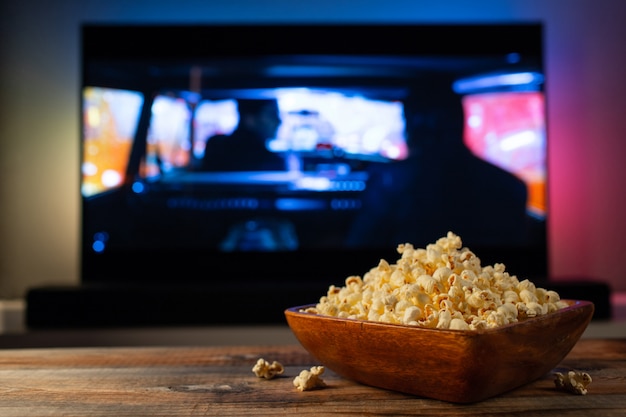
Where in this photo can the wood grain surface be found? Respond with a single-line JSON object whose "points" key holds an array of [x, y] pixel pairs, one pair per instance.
{"points": [[218, 381]]}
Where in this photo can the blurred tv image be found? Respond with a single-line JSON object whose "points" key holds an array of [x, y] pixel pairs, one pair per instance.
{"points": [[508, 129], [110, 122]]}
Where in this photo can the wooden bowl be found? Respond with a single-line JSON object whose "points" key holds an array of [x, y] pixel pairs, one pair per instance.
{"points": [[460, 366]]}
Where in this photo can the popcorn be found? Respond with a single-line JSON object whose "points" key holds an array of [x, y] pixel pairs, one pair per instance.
{"points": [[308, 380], [575, 382], [264, 369], [441, 286]]}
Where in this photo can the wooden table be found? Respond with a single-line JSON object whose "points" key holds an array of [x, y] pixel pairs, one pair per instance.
{"points": [[190, 381]]}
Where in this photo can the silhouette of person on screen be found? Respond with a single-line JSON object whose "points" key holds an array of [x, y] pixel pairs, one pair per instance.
{"points": [[245, 149], [440, 187]]}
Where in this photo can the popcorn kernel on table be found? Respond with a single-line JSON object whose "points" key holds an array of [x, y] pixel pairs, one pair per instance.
{"points": [[310, 379], [264, 369], [574, 381]]}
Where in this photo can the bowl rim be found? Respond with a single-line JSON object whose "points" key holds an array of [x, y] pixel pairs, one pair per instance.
{"points": [[573, 305]]}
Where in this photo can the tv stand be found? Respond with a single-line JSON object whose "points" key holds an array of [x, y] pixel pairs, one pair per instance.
{"points": [[181, 305], [161, 305]]}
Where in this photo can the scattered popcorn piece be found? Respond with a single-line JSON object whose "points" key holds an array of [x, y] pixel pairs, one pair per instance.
{"points": [[264, 369], [308, 380], [575, 382], [441, 286]]}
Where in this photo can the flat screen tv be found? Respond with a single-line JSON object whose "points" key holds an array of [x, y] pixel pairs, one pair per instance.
{"points": [[389, 134]]}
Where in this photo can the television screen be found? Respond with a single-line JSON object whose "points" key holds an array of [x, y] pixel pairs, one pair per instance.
{"points": [[275, 160]]}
